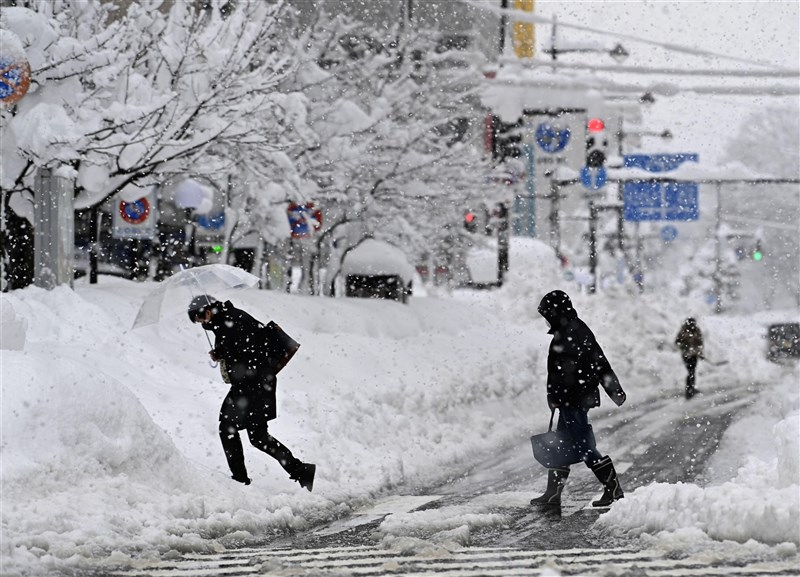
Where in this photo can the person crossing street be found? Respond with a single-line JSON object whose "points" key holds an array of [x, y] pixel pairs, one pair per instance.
{"points": [[576, 368], [249, 363]]}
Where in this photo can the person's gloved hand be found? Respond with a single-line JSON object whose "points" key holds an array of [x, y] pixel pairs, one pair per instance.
{"points": [[213, 355]]}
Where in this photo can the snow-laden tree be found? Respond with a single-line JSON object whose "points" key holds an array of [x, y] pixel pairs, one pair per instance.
{"points": [[395, 115], [150, 96], [711, 274], [768, 142]]}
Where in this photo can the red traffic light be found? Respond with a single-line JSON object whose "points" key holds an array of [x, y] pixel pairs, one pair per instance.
{"points": [[469, 217], [596, 125]]}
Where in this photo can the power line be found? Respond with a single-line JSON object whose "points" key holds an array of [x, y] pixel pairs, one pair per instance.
{"points": [[660, 88], [669, 71], [766, 223], [521, 16]]}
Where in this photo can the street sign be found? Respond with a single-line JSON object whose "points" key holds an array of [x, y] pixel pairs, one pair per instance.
{"points": [[137, 219], [15, 72], [652, 200], [304, 220], [658, 162], [594, 178], [668, 233], [215, 222], [551, 138], [649, 200]]}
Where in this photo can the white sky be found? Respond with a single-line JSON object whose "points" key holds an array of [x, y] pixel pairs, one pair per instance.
{"points": [[764, 31]]}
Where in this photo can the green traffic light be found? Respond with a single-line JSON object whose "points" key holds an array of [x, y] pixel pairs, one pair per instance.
{"points": [[757, 255], [216, 248]]}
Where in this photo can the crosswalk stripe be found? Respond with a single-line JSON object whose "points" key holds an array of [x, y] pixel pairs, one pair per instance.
{"points": [[468, 562], [297, 554]]}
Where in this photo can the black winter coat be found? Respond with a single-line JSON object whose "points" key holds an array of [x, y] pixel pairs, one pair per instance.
{"points": [[241, 343], [576, 365]]}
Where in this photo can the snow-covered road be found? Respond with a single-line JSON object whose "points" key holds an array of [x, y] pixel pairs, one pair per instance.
{"points": [[111, 457], [669, 440]]}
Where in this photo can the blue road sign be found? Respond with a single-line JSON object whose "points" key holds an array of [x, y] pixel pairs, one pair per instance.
{"points": [[211, 221], [648, 200], [552, 138], [659, 162], [594, 178], [668, 233]]}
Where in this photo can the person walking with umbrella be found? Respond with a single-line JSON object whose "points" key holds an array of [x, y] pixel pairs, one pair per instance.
{"points": [[576, 367], [250, 355]]}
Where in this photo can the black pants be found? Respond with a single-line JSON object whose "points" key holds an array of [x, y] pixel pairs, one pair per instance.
{"points": [[576, 421], [691, 365], [258, 432]]}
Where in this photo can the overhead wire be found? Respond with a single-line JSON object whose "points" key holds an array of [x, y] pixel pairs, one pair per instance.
{"points": [[529, 17]]}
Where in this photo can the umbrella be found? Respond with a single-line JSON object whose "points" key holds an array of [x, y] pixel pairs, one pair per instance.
{"points": [[174, 294]]}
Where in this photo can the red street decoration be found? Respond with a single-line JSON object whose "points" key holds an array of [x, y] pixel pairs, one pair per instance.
{"points": [[298, 219]]}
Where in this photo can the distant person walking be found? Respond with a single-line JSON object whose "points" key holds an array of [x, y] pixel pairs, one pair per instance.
{"points": [[690, 342], [576, 368], [249, 362]]}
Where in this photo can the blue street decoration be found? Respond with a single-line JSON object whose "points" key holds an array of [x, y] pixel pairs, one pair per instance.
{"points": [[594, 178], [551, 138]]}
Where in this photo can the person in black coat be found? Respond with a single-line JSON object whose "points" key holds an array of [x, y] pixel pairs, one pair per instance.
{"points": [[576, 367], [690, 342], [249, 363]]}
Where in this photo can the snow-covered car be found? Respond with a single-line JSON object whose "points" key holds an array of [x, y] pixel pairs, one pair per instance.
{"points": [[783, 341], [377, 269]]}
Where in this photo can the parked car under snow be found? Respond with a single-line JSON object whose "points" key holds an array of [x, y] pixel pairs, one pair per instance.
{"points": [[377, 269], [783, 341]]}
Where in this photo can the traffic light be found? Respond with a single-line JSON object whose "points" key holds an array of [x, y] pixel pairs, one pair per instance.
{"points": [[596, 143], [757, 253], [470, 221], [506, 139]]}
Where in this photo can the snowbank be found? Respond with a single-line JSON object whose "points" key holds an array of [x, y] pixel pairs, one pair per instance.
{"points": [[109, 435], [760, 501]]}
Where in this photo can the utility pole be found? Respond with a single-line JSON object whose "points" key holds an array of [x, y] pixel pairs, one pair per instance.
{"points": [[502, 242], [503, 24], [54, 233], [593, 246], [717, 278]]}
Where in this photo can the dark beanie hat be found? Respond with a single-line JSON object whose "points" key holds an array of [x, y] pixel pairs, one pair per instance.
{"points": [[199, 304]]}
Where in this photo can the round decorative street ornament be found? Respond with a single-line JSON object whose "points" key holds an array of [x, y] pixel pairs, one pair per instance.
{"points": [[15, 72]]}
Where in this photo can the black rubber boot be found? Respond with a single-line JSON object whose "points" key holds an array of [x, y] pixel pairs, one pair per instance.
{"points": [[304, 474], [605, 473], [555, 484]]}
